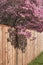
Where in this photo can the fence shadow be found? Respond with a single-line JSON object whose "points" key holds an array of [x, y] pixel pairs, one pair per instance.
{"points": [[18, 41]]}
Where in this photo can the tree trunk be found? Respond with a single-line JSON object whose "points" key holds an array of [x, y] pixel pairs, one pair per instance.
{"points": [[16, 56], [16, 48]]}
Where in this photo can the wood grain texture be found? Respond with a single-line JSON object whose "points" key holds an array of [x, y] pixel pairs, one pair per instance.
{"points": [[8, 52], [20, 57], [0, 45], [4, 45]]}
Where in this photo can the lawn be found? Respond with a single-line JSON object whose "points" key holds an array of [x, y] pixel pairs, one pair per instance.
{"points": [[38, 60]]}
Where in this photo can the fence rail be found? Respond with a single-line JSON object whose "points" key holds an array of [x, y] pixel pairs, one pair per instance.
{"points": [[8, 52]]}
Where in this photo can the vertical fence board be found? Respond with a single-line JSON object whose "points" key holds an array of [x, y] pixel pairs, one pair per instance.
{"points": [[6, 33], [32, 45], [10, 61], [0, 45], [14, 56], [10, 53], [24, 57], [4, 45], [28, 51], [20, 57], [41, 44], [36, 45]]}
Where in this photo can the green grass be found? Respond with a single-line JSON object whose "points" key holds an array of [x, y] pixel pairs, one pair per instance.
{"points": [[38, 60]]}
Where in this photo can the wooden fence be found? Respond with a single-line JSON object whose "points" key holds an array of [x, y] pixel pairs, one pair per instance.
{"points": [[8, 52]]}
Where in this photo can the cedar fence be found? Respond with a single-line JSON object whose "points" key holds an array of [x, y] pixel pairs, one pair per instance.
{"points": [[8, 52]]}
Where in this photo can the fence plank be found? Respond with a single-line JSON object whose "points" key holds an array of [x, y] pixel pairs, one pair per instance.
{"points": [[0, 45], [10, 61], [4, 45], [20, 57], [14, 56], [10, 53], [28, 52], [36, 44], [41, 42], [6, 34]]}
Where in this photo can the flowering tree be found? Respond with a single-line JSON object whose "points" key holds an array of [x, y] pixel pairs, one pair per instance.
{"points": [[22, 15]]}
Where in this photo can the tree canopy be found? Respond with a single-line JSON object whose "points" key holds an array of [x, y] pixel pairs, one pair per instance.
{"points": [[22, 14]]}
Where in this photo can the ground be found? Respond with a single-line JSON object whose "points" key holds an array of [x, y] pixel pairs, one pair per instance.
{"points": [[38, 60]]}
